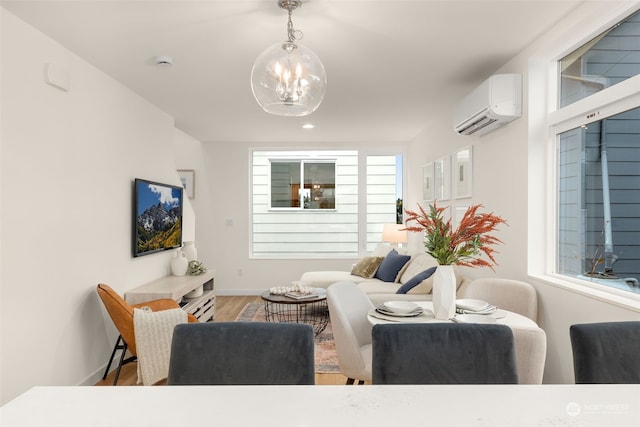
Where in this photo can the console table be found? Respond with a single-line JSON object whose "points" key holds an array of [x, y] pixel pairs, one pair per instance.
{"points": [[178, 288]]}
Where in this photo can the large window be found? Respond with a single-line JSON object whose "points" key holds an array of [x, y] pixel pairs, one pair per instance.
{"points": [[321, 204], [598, 159]]}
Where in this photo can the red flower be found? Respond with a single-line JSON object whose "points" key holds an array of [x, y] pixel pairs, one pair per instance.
{"points": [[462, 246]]}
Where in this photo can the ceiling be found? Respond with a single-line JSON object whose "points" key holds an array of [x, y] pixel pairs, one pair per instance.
{"points": [[390, 63]]}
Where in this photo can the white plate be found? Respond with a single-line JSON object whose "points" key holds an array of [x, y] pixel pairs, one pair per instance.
{"points": [[471, 304], [417, 312], [400, 307], [473, 318]]}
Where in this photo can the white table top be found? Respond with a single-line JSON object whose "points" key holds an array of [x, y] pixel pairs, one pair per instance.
{"points": [[309, 406], [502, 317]]}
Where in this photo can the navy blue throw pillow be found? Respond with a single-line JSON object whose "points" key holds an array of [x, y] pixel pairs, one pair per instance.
{"points": [[391, 266], [416, 280]]}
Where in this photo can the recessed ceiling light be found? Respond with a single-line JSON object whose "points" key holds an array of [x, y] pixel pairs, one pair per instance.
{"points": [[308, 126]]}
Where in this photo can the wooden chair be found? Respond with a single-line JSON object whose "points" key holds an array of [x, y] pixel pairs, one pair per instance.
{"points": [[443, 353], [242, 353], [606, 353], [121, 314]]}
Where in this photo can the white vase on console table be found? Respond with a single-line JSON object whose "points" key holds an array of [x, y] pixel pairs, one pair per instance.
{"points": [[190, 251], [444, 292], [179, 264]]}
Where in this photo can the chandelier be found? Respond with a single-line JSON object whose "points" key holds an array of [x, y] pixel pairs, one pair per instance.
{"points": [[288, 79]]}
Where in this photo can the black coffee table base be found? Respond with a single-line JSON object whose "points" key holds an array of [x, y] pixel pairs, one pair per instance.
{"points": [[287, 310]]}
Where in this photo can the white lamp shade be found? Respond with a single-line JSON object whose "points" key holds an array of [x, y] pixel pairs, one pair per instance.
{"points": [[288, 79], [392, 233]]}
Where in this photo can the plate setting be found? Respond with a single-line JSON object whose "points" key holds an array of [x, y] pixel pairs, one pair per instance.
{"points": [[400, 309]]}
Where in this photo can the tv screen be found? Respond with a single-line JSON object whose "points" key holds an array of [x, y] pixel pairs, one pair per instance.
{"points": [[158, 217]]}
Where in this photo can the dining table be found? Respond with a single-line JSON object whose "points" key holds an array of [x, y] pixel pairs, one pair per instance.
{"points": [[499, 316]]}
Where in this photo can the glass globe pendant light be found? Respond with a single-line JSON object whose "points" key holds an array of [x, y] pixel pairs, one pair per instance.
{"points": [[288, 79]]}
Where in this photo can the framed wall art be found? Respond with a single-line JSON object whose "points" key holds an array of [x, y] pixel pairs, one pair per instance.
{"points": [[188, 178], [427, 182], [462, 173], [442, 178]]}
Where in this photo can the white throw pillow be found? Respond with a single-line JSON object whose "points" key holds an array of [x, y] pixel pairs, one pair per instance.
{"points": [[418, 263]]}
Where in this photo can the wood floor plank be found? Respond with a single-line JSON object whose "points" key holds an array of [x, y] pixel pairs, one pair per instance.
{"points": [[227, 309]]}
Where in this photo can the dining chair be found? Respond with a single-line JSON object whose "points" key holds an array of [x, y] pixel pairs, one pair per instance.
{"points": [[443, 353], [531, 353], [606, 353], [242, 353], [121, 313], [348, 308], [513, 295]]}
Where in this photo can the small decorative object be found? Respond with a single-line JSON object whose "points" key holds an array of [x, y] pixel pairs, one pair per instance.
{"points": [[179, 264], [462, 246], [190, 251], [196, 268], [297, 288]]}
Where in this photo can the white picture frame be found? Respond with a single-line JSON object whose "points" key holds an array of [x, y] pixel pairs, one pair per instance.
{"points": [[442, 178], [427, 182], [188, 178], [463, 173]]}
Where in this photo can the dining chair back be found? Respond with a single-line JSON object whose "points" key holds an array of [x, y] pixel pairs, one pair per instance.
{"points": [[606, 353], [348, 308], [443, 353], [513, 295], [242, 353], [531, 354]]}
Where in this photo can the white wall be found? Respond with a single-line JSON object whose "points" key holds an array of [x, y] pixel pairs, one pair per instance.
{"points": [[510, 178], [68, 162]]}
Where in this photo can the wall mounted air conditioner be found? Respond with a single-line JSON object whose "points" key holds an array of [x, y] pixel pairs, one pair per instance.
{"points": [[494, 103]]}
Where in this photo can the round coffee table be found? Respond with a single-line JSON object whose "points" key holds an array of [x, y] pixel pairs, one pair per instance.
{"points": [[312, 310]]}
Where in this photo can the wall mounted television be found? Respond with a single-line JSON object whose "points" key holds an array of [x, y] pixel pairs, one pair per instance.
{"points": [[157, 224]]}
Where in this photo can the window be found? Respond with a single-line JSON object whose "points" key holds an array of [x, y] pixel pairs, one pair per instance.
{"points": [[598, 160], [318, 180], [308, 204]]}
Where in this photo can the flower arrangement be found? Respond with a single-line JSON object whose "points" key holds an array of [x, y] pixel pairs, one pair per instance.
{"points": [[462, 246]]}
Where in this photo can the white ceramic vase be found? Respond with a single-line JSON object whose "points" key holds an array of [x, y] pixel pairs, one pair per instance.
{"points": [[190, 251], [179, 264], [444, 292]]}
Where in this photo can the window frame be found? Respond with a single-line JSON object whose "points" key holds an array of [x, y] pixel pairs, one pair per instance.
{"points": [[555, 120], [301, 162]]}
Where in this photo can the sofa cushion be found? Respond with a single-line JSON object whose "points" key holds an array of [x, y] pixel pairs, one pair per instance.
{"points": [[416, 280], [367, 266], [419, 263], [323, 279], [375, 286], [391, 266]]}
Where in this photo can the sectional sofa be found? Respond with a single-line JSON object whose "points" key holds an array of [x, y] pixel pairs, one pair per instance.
{"points": [[389, 273]]}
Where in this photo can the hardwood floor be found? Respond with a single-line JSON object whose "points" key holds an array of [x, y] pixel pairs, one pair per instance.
{"points": [[227, 309]]}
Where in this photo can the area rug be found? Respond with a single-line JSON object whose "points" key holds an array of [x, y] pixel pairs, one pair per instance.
{"points": [[325, 351]]}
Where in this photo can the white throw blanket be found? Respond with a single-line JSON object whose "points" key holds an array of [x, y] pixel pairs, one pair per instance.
{"points": [[153, 331]]}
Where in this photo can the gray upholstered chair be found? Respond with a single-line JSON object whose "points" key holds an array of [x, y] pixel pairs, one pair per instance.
{"points": [[348, 308], [443, 353], [242, 353], [606, 353], [513, 295]]}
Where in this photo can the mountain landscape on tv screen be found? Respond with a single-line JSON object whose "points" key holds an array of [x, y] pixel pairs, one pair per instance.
{"points": [[158, 228]]}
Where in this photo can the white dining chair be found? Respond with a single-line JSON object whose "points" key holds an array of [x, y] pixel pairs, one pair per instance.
{"points": [[531, 354], [513, 295], [348, 308]]}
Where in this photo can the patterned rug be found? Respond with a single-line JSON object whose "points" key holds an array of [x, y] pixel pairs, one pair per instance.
{"points": [[325, 352]]}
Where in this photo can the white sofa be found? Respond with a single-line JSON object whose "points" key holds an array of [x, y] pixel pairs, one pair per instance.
{"points": [[379, 290]]}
